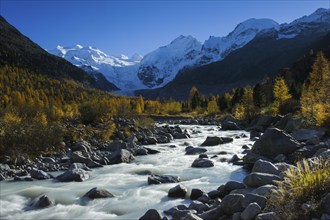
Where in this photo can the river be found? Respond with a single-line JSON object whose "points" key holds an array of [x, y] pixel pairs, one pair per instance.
{"points": [[128, 182]]}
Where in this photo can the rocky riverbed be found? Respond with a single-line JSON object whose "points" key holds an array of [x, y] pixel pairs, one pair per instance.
{"points": [[200, 169]]}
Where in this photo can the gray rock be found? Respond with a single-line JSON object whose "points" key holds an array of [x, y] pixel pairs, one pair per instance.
{"points": [[251, 158], [195, 150], [199, 206], [2, 177], [79, 166], [324, 154], [82, 145], [97, 193], [151, 214], [40, 202], [48, 160], [250, 211], [159, 179], [77, 175], [196, 193], [262, 166], [202, 163], [282, 166], [255, 180], [204, 199], [264, 190], [227, 140], [121, 156], [116, 145], [236, 216], [267, 216], [212, 141], [281, 124], [203, 156], [175, 208], [141, 151], [250, 198], [191, 216], [235, 158], [78, 157], [39, 174], [306, 134], [152, 151], [232, 185], [274, 142], [151, 140], [326, 204], [232, 203], [179, 191], [313, 141], [212, 214], [179, 214], [94, 164], [180, 136], [214, 194], [280, 158], [229, 125]]}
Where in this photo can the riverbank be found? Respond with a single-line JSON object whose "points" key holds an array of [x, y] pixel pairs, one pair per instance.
{"points": [[205, 183]]}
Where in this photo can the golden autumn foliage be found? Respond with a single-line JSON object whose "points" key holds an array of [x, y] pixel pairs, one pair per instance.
{"points": [[281, 93], [315, 97]]}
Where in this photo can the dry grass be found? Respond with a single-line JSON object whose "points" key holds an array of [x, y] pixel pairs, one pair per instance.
{"points": [[298, 196]]}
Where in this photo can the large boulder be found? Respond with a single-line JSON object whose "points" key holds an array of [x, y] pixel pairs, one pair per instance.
{"points": [[39, 174], [212, 141], [159, 179], [196, 193], [97, 193], [195, 150], [255, 180], [77, 175], [229, 125], [199, 206], [116, 146], [251, 211], [262, 166], [121, 156], [306, 134], [213, 213], [274, 142], [202, 162], [180, 135], [251, 197], [179, 191], [40, 202], [151, 214], [79, 157], [232, 203], [232, 185]]}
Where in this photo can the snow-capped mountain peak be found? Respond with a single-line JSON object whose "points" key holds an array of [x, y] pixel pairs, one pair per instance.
{"points": [[216, 48], [254, 24], [320, 15], [120, 70], [161, 66]]}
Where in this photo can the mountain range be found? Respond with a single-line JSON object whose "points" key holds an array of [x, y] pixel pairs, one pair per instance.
{"points": [[254, 49]]}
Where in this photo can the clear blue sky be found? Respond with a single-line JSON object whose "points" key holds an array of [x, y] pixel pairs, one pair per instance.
{"points": [[127, 27]]}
